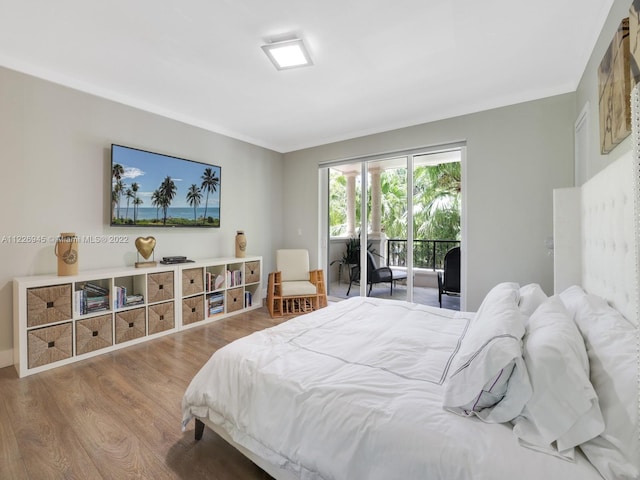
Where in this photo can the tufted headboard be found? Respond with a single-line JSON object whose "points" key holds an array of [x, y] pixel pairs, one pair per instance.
{"points": [[595, 239]]}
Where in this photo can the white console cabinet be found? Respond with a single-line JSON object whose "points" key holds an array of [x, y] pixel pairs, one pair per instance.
{"points": [[58, 320]]}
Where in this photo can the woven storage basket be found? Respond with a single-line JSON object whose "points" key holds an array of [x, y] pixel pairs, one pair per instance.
{"points": [[235, 299], [93, 334], [159, 287], [130, 324], [48, 305], [192, 309], [161, 317], [192, 281], [49, 344], [251, 272]]}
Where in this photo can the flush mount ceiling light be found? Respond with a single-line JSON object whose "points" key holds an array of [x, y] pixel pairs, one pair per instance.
{"points": [[288, 54]]}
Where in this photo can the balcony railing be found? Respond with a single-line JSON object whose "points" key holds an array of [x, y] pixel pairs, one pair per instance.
{"points": [[427, 254]]}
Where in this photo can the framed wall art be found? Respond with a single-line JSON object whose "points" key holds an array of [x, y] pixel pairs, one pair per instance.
{"points": [[634, 41], [614, 90]]}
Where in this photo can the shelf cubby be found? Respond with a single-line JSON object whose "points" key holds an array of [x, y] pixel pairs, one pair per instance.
{"points": [[54, 325]]}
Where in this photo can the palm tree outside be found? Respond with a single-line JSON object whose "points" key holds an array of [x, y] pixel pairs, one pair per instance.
{"points": [[436, 205]]}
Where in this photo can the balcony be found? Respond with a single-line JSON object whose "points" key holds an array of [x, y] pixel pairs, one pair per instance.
{"points": [[428, 258], [427, 254]]}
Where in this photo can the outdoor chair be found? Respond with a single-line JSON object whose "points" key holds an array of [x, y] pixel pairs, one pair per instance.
{"points": [[449, 278], [376, 274]]}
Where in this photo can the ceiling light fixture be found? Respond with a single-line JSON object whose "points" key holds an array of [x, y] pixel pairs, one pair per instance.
{"points": [[288, 54]]}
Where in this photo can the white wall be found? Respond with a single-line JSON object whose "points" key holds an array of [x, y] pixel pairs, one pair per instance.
{"points": [[516, 156], [55, 158]]}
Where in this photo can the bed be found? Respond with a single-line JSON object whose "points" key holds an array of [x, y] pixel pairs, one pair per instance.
{"points": [[530, 386]]}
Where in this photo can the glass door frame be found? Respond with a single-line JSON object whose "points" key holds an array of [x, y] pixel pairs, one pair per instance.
{"points": [[324, 238]]}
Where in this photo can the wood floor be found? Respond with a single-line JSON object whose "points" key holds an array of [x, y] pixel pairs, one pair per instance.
{"points": [[117, 415]]}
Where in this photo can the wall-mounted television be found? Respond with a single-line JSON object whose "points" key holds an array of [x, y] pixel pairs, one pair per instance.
{"points": [[154, 190]]}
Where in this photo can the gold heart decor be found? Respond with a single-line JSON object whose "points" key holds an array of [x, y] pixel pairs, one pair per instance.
{"points": [[145, 246]]}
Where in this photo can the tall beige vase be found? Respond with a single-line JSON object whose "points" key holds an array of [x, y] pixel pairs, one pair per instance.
{"points": [[67, 252], [241, 244]]}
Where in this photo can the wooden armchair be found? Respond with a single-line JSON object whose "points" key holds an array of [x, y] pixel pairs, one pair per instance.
{"points": [[293, 288]]}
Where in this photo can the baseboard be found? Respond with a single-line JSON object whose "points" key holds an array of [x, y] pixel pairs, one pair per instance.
{"points": [[6, 358]]}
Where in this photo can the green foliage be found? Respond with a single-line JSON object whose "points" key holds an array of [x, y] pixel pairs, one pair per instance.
{"points": [[436, 202]]}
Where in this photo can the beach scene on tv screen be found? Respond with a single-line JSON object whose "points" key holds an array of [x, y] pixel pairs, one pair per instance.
{"points": [[150, 189]]}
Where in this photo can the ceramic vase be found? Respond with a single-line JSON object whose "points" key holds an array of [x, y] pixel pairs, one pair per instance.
{"points": [[67, 252], [241, 244]]}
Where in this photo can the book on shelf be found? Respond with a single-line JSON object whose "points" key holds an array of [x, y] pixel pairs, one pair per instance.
{"points": [[215, 303], [122, 299], [133, 300], [94, 289], [216, 297], [234, 278], [90, 298], [96, 305], [214, 281], [119, 296]]}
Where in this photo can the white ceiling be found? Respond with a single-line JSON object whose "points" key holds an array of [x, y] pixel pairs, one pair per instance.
{"points": [[379, 64]]}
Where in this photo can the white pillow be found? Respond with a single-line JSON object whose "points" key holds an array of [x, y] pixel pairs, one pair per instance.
{"points": [[612, 343], [489, 376], [531, 297], [563, 411]]}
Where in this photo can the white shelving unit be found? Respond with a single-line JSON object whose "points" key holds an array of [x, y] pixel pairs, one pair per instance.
{"points": [[55, 323]]}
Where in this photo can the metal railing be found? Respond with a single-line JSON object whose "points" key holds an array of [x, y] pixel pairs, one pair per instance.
{"points": [[426, 253]]}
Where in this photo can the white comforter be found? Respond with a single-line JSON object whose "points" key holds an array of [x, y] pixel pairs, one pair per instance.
{"points": [[354, 391]]}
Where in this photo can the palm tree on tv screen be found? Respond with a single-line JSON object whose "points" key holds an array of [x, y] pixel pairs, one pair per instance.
{"points": [[194, 197], [167, 192], [116, 172], [136, 201], [209, 184], [130, 196], [155, 202], [135, 186]]}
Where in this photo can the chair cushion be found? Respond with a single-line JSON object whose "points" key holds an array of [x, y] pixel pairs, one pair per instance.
{"points": [[399, 274], [293, 264], [298, 289]]}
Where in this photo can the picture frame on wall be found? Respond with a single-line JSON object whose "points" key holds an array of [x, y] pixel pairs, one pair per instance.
{"points": [[634, 41], [614, 90]]}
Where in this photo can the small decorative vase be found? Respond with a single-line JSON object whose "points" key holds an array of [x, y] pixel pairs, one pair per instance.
{"points": [[241, 244], [67, 252]]}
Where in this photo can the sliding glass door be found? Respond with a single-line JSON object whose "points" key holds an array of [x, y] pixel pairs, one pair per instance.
{"points": [[390, 220], [344, 227], [387, 217]]}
